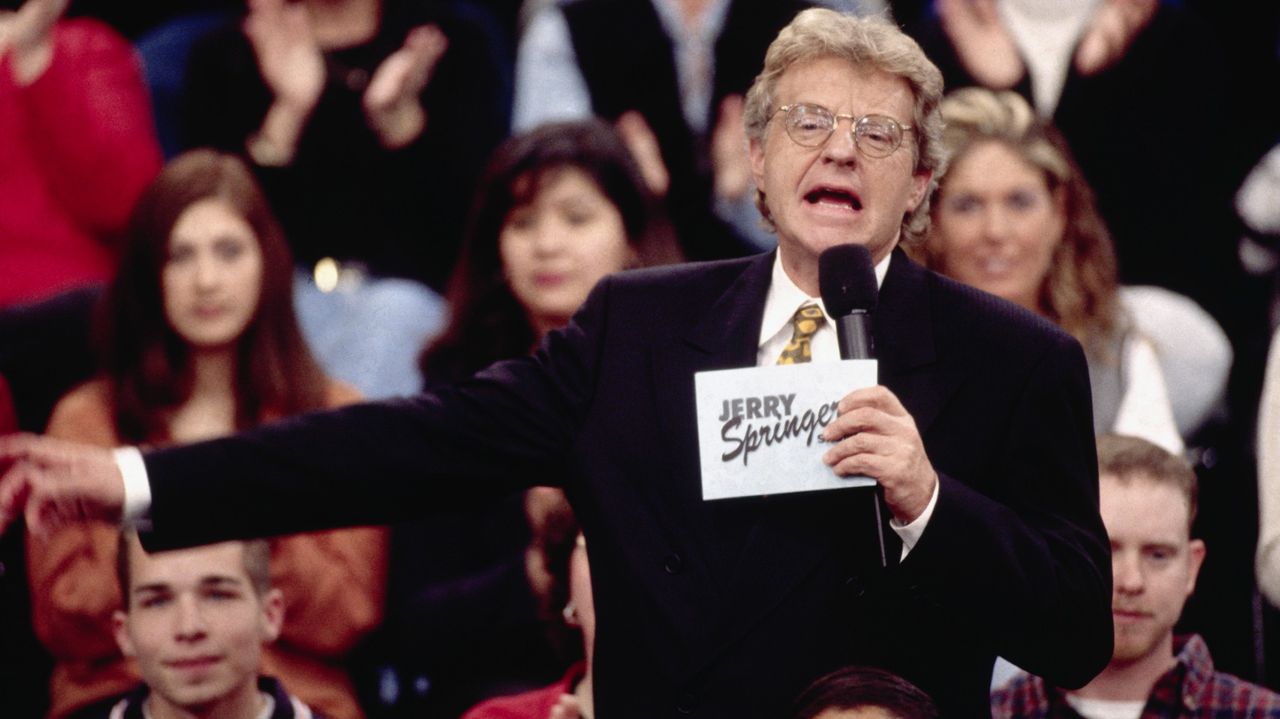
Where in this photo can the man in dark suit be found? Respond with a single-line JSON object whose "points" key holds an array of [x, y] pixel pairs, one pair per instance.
{"points": [[729, 608]]}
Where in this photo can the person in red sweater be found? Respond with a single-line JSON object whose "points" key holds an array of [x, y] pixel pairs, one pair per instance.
{"points": [[77, 147]]}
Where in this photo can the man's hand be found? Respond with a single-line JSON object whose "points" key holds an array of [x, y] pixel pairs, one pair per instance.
{"points": [[874, 436], [54, 483], [391, 101], [983, 44]]}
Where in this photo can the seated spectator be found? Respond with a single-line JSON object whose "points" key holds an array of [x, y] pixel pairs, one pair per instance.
{"points": [[77, 147], [858, 692], [367, 122], [196, 621], [557, 553], [559, 207], [1013, 216], [1148, 501], [199, 340], [1101, 69]]}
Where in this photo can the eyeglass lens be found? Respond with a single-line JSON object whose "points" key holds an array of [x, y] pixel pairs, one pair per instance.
{"points": [[811, 125]]}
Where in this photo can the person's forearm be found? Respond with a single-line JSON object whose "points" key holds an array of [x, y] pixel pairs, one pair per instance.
{"points": [[275, 144]]}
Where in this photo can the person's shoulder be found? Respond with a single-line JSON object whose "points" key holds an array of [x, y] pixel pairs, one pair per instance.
{"points": [[1025, 696], [1228, 692], [688, 276], [84, 414], [992, 322]]}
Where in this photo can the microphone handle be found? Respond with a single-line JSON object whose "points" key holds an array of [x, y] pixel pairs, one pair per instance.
{"points": [[854, 333]]}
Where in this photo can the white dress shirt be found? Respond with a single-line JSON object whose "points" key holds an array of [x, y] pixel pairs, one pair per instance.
{"points": [[780, 306]]}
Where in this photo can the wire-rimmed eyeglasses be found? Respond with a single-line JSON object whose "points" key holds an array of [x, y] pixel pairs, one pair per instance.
{"points": [[811, 125]]}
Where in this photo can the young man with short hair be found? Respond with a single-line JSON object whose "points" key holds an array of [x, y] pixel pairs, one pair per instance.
{"points": [[1148, 499], [195, 621]]}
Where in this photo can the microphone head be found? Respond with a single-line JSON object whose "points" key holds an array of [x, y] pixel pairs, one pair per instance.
{"points": [[847, 280]]}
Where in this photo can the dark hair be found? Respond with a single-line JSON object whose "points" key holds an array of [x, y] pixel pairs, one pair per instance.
{"points": [[855, 687], [487, 322], [255, 558], [146, 361], [1127, 458]]}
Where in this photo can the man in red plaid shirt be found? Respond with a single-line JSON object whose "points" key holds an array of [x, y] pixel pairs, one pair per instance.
{"points": [[1148, 501]]}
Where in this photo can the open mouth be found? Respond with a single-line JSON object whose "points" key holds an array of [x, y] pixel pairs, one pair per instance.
{"points": [[834, 196]]}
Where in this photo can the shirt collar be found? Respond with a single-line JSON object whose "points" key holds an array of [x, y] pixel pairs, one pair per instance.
{"points": [[784, 298]]}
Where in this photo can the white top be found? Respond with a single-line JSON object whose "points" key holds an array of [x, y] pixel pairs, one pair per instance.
{"points": [[1145, 410], [1106, 708]]}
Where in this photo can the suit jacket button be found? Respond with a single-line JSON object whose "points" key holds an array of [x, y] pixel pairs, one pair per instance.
{"points": [[673, 563]]}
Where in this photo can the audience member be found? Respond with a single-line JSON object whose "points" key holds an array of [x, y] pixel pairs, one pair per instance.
{"points": [[367, 122], [558, 208], [196, 621], [1014, 216], [1104, 70], [199, 340], [858, 692], [671, 74], [557, 552], [1148, 500], [77, 147]]}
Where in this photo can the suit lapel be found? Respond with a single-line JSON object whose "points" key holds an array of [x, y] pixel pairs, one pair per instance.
{"points": [[904, 332]]}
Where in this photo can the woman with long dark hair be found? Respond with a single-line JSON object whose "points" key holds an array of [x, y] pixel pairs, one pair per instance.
{"points": [[199, 340]]}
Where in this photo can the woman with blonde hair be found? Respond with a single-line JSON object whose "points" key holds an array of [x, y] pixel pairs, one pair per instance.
{"points": [[1013, 216]]}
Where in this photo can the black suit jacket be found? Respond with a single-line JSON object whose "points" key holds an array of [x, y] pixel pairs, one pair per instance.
{"points": [[729, 608]]}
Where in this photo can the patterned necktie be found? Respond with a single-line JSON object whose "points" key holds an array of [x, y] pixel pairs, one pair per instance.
{"points": [[804, 322]]}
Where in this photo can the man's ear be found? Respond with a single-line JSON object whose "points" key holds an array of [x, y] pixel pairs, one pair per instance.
{"points": [[272, 615], [919, 186], [755, 149], [120, 628], [1195, 557]]}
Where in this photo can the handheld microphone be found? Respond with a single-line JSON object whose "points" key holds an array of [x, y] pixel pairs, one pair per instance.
{"points": [[847, 281]]}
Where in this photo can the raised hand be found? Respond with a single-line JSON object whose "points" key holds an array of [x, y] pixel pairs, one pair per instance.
{"points": [[567, 707], [983, 43], [28, 35], [53, 483], [288, 56], [391, 101], [729, 161], [643, 144], [1111, 31], [876, 437]]}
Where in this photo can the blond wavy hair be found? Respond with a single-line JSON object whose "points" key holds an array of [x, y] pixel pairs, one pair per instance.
{"points": [[1079, 293]]}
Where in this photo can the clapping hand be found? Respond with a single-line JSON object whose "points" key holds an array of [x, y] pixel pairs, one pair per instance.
{"points": [[288, 56], [391, 101], [984, 45], [28, 34], [729, 162], [1111, 32]]}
